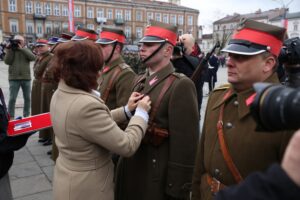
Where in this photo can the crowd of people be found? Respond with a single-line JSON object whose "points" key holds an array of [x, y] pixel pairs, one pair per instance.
{"points": [[121, 135]]}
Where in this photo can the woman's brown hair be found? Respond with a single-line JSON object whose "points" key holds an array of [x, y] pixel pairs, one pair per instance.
{"points": [[78, 64]]}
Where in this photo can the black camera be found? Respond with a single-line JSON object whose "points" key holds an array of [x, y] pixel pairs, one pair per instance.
{"points": [[13, 43], [179, 49], [276, 107], [290, 52]]}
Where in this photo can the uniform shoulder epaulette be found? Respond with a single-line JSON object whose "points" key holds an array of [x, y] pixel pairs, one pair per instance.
{"points": [[222, 87], [124, 66], [178, 75]]}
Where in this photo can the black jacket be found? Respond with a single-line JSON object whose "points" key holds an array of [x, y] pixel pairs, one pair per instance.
{"points": [[7, 144], [272, 185]]}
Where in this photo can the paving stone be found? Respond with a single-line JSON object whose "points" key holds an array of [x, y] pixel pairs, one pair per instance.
{"points": [[39, 196], [44, 160], [49, 172], [25, 170], [30, 185], [22, 156]]}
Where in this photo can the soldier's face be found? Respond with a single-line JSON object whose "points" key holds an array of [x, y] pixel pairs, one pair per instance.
{"points": [[244, 70], [146, 49], [106, 50]]}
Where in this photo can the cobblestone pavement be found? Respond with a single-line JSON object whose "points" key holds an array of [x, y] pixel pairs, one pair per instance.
{"points": [[32, 171]]}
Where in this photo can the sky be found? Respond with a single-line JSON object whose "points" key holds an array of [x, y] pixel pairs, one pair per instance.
{"points": [[212, 10]]}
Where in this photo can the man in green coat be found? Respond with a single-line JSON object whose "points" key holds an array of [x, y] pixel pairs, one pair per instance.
{"points": [[230, 147], [162, 167], [116, 77], [18, 58]]}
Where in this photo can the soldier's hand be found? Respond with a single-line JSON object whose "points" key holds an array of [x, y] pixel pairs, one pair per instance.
{"points": [[133, 100], [145, 103]]}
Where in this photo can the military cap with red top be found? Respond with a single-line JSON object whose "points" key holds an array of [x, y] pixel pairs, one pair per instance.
{"points": [[84, 34], [65, 37], [111, 35], [158, 32], [41, 42], [253, 37]]}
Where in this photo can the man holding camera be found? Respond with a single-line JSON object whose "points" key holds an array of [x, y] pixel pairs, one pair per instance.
{"points": [[18, 58], [231, 148]]}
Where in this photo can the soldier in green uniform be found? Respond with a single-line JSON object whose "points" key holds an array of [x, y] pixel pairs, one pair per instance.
{"points": [[230, 147], [44, 56], [162, 166], [116, 77]]}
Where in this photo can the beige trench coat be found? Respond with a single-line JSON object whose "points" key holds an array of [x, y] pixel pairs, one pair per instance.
{"points": [[86, 134]]}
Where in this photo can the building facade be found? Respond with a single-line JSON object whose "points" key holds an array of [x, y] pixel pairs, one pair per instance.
{"points": [[293, 23], [223, 28], [45, 18]]}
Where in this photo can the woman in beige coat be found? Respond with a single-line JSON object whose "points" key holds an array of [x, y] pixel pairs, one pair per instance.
{"points": [[85, 130]]}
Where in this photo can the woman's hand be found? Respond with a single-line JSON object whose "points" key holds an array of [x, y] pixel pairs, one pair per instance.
{"points": [[133, 100], [144, 103]]}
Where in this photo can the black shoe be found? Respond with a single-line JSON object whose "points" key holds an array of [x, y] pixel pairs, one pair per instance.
{"points": [[48, 142], [49, 152], [42, 140]]}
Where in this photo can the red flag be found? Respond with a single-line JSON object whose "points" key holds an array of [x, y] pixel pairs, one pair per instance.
{"points": [[71, 17]]}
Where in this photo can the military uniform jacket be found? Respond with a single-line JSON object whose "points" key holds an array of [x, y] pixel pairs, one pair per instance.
{"points": [[121, 86], [162, 171], [250, 150], [38, 70]]}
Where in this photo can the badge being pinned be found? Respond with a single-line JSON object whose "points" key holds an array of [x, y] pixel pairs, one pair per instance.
{"points": [[105, 69], [152, 81]]}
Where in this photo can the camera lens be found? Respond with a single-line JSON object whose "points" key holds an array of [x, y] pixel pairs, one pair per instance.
{"points": [[276, 107]]}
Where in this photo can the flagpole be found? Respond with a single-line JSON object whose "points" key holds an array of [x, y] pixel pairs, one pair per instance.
{"points": [[71, 16]]}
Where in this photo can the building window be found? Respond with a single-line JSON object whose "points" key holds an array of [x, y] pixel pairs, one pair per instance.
{"points": [[128, 32], [56, 9], [149, 16], [119, 14], [100, 12], [109, 13], [38, 8], [39, 30], [48, 27], [12, 5], [90, 12], [57, 28], [14, 25], [29, 27], [138, 16], [139, 32], [65, 27], [28, 7], [180, 20], [173, 19], [166, 18], [77, 11], [47, 8], [90, 26], [158, 17], [190, 20], [128, 15], [65, 10]]}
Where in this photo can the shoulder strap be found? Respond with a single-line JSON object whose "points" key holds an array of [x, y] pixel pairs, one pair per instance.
{"points": [[225, 152], [166, 86], [114, 76]]}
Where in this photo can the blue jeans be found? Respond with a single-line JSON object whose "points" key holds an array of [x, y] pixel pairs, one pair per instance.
{"points": [[14, 87]]}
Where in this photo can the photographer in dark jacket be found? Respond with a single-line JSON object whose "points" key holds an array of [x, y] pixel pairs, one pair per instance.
{"points": [[7, 147], [186, 61]]}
